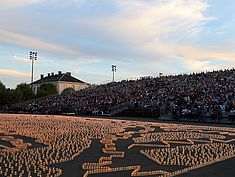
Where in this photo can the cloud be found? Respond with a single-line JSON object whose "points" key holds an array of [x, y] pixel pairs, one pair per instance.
{"points": [[191, 57], [159, 32], [140, 25], [14, 73], [11, 78], [142, 22], [198, 53], [133, 25], [17, 3], [151, 35], [30, 42], [22, 3], [20, 58], [67, 2], [156, 33]]}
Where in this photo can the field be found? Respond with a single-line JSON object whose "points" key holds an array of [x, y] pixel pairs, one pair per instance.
{"points": [[36, 145]]}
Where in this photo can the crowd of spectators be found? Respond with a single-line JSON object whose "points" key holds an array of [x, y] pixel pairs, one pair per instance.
{"points": [[186, 95]]}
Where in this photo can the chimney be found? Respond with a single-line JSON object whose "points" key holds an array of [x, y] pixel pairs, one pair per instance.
{"points": [[69, 73], [48, 74], [59, 72], [42, 76], [52, 74]]}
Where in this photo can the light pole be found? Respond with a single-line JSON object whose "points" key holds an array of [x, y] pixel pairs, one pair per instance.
{"points": [[114, 69], [32, 56]]}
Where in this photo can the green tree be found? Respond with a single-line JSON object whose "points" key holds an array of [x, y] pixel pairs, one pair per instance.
{"points": [[25, 91], [15, 96], [9, 96], [68, 90], [3, 94], [47, 89]]}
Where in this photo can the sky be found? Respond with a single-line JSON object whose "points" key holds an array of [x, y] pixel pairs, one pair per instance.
{"points": [[140, 37]]}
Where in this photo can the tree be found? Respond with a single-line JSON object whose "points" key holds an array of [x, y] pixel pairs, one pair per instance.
{"points": [[22, 92], [14, 96], [68, 90], [26, 92], [2, 86], [47, 89], [3, 95]]}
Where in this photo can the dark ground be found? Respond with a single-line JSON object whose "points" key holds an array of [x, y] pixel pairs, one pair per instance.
{"points": [[73, 169], [221, 169], [133, 157], [32, 141]]}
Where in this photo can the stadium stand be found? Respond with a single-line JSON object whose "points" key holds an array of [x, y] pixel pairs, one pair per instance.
{"points": [[193, 96]]}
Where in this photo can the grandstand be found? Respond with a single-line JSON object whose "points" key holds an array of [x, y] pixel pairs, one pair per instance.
{"points": [[205, 96]]}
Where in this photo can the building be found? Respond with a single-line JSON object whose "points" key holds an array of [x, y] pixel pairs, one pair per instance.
{"points": [[61, 81]]}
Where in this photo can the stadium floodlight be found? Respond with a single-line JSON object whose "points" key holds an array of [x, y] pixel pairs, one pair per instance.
{"points": [[32, 56], [114, 69]]}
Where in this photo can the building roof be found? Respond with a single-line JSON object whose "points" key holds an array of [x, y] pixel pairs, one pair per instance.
{"points": [[66, 77]]}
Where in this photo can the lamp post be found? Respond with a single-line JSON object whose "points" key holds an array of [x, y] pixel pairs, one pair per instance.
{"points": [[114, 69], [32, 56]]}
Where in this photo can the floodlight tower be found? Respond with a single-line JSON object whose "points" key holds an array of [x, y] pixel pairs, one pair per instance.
{"points": [[32, 56], [114, 69]]}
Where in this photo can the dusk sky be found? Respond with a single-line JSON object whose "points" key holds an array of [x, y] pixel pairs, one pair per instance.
{"points": [[141, 37]]}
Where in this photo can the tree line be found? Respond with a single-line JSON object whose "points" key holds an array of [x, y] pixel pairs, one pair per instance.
{"points": [[23, 92]]}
